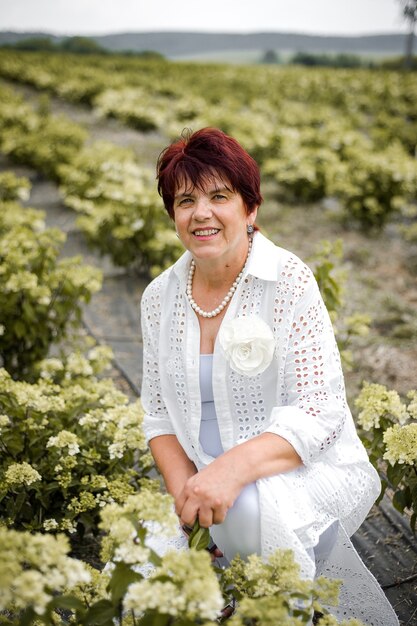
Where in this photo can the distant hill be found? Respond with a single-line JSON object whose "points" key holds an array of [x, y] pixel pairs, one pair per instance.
{"points": [[177, 45]]}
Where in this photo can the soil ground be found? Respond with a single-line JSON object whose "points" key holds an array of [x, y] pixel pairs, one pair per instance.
{"points": [[381, 280]]}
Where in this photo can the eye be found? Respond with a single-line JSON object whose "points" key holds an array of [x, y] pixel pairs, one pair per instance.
{"points": [[219, 196], [184, 201]]}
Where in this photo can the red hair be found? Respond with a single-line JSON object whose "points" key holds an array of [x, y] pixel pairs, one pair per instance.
{"points": [[198, 156]]}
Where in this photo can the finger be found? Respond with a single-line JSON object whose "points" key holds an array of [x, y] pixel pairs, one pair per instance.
{"points": [[179, 504], [219, 515], [205, 517], [189, 513]]}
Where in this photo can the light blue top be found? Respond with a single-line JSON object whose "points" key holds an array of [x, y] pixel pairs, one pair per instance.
{"points": [[209, 428]]}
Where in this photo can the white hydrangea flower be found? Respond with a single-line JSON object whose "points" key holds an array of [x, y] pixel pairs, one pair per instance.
{"points": [[77, 364], [100, 357], [21, 474], [190, 588], [29, 590], [68, 526], [65, 439], [138, 224], [248, 343], [412, 406], [90, 419], [376, 402], [401, 444], [149, 595], [21, 281], [49, 367], [76, 573], [132, 554], [35, 567], [37, 397], [50, 524], [4, 421]]}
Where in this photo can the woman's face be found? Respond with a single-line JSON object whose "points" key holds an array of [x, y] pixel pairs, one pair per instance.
{"points": [[211, 222]]}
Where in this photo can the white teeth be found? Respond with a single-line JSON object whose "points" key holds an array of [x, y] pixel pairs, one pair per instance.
{"points": [[206, 233]]}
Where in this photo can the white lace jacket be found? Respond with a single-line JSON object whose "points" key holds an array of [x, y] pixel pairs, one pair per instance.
{"points": [[300, 396]]}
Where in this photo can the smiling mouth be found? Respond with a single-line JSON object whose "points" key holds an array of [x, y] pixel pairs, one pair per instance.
{"points": [[206, 232]]}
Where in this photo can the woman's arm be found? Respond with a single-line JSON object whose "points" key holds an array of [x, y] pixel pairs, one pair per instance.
{"points": [[313, 409], [172, 462], [212, 492]]}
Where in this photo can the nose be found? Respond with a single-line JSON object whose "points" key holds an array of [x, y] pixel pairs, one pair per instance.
{"points": [[202, 209]]}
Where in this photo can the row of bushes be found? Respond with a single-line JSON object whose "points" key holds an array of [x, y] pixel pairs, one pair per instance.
{"points": [[347, 134], [121, 212], [41, 584], [370, 186], [355, 95], [41, 295]]}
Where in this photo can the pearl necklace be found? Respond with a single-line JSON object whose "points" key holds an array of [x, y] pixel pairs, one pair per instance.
{"points": [[226, 299]]}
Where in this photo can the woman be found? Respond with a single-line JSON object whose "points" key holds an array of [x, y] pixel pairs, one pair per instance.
{"points": [[245, 409]]}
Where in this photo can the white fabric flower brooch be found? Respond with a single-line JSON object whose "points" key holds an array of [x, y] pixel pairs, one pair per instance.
{"points": [[248, 343]]}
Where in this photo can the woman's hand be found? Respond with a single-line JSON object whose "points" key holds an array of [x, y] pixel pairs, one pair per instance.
{"points": [[209, 494]]}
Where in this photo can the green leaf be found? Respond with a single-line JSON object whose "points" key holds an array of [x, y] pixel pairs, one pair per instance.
{"points": [[20, 501], [394, 474], [154, 619], [199, 537], [19, 329], [67, 602], [28, 617], [100, 614], [401, 500], [122, 577]]}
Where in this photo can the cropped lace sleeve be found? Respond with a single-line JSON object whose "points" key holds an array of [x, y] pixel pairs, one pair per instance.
{"points": [[156, 420], [313, 406]]}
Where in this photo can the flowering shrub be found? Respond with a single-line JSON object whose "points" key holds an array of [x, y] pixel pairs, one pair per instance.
{"points": [[389, 431], [374, 185], [40, 296], [324, 132], [273, 593], [138, 587], [121, 212], [35, 568], [331, 276], [37, 138], [136, 107], [70, 443], [13, 188], [302, 171]]}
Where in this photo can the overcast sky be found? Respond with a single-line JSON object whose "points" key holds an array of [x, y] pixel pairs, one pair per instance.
{"points": [[345, 17]]}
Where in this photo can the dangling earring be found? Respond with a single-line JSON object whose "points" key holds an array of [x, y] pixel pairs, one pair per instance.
{"points": [[249, 229]]}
